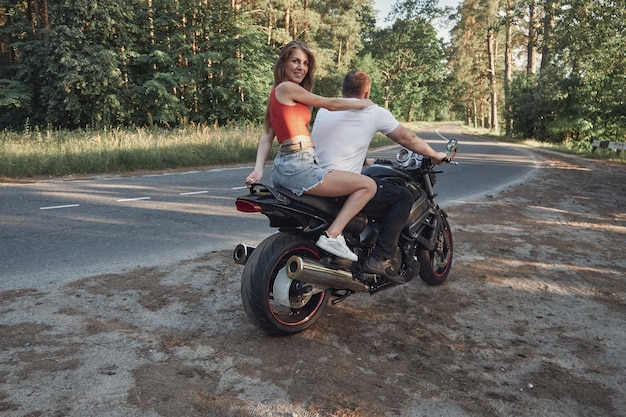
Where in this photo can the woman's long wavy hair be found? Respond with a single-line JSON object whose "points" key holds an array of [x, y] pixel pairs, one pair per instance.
{"points": [[279, 71]]}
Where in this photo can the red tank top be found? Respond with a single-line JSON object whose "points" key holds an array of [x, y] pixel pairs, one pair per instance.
{"points": [[288, 121]]}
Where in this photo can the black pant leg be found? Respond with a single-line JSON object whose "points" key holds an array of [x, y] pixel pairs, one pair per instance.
{"points": [[392, 204]]}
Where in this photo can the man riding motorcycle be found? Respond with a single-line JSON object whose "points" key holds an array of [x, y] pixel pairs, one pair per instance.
{"points": [[342, 139]]}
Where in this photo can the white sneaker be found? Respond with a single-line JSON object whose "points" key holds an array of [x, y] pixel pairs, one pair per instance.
{"points": [[337, 246]]}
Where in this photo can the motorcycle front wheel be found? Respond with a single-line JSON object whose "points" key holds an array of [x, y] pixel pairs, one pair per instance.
{"points": [[435, 265], [271, 300]]}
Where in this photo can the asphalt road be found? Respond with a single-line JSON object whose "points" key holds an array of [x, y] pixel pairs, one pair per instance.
{"points": [[58, 230]]}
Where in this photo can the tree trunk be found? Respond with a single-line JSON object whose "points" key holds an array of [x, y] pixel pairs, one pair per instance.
{"points": [[548, 24], [305, 30], [287, 16], [475, 110], [531, 45], [40, 15], [493, 95], [339, 53], [508, 73], [386, 90]]}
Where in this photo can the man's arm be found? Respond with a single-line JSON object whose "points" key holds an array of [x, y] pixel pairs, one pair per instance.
{"points": [[411, 141]]}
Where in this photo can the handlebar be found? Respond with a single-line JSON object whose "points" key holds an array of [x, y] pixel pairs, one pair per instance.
{"points": [[448, 159], [410, 160]]}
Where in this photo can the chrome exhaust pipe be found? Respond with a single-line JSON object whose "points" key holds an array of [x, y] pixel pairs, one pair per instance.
{"points": [[308, 270], [241, 253]]}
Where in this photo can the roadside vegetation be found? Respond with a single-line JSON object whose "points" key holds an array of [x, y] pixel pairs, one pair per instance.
{"points": [[51, 153], [36, 153], [548, 70], [121, 86]]}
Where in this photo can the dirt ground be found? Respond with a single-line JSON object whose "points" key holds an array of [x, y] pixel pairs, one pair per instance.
{"points": [[532, 322]]}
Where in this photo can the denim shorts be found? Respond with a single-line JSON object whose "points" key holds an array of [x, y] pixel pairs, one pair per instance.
{"points": [[297, 171]]}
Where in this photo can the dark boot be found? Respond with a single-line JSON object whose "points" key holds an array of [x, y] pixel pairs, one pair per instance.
{"points": [[384, 268]]}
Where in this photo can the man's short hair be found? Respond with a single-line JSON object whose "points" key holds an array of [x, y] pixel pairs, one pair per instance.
{"points": [[355, 83]]}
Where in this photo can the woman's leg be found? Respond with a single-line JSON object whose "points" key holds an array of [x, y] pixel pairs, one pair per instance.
{"points": [[360, 189]]}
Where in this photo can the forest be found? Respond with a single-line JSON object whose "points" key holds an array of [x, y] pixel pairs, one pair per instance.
{"points": [[552, 70]]}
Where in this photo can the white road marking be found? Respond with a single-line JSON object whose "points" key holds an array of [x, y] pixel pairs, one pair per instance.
{"points": [[59, 207], [440, 135], [194, 192], [134, 199]]}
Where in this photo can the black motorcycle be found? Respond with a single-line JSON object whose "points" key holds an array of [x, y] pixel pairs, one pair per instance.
{"points": [[288, 280]]}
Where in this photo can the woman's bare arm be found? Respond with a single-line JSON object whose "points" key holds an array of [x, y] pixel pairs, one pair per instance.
{"points": [[290, 93], [263, 151]]}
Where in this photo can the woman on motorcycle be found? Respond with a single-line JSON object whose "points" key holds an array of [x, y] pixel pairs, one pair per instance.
{"points": [[296, 166]]}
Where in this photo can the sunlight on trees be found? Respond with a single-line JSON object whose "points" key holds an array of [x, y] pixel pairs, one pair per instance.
{"points": [[547, 70]]}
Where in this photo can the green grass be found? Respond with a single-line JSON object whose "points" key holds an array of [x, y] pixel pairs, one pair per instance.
{"points": [[36, 153], [58, 153]]}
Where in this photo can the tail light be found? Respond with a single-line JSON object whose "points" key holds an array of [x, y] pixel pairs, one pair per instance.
{"points": [[248, 206]]}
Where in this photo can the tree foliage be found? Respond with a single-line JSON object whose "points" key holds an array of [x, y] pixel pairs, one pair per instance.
{"points": [[575, 94], [77, 63], [550, 69], [410, 60]]}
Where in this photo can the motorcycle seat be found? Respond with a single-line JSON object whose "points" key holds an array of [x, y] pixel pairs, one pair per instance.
{"points": [[327, 205]]}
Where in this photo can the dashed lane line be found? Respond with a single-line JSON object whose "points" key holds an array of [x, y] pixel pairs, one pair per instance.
{"points": [[120, 200], [59, 207], [194, 193]]}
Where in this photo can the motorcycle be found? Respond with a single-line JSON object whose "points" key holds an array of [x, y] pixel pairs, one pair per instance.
{"points": [[288, 281]]}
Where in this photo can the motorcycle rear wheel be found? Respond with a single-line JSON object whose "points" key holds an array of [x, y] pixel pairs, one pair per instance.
{"points": [[435, 265], [257, 287]]}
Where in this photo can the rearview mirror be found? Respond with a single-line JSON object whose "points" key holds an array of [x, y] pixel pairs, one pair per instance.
{"points": [[452, 145]]}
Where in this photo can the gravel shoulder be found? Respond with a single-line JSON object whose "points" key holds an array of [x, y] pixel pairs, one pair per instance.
{"points": [[532, 322]]}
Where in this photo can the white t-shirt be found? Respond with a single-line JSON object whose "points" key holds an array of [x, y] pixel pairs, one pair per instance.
{"points": [[342, 138]]}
